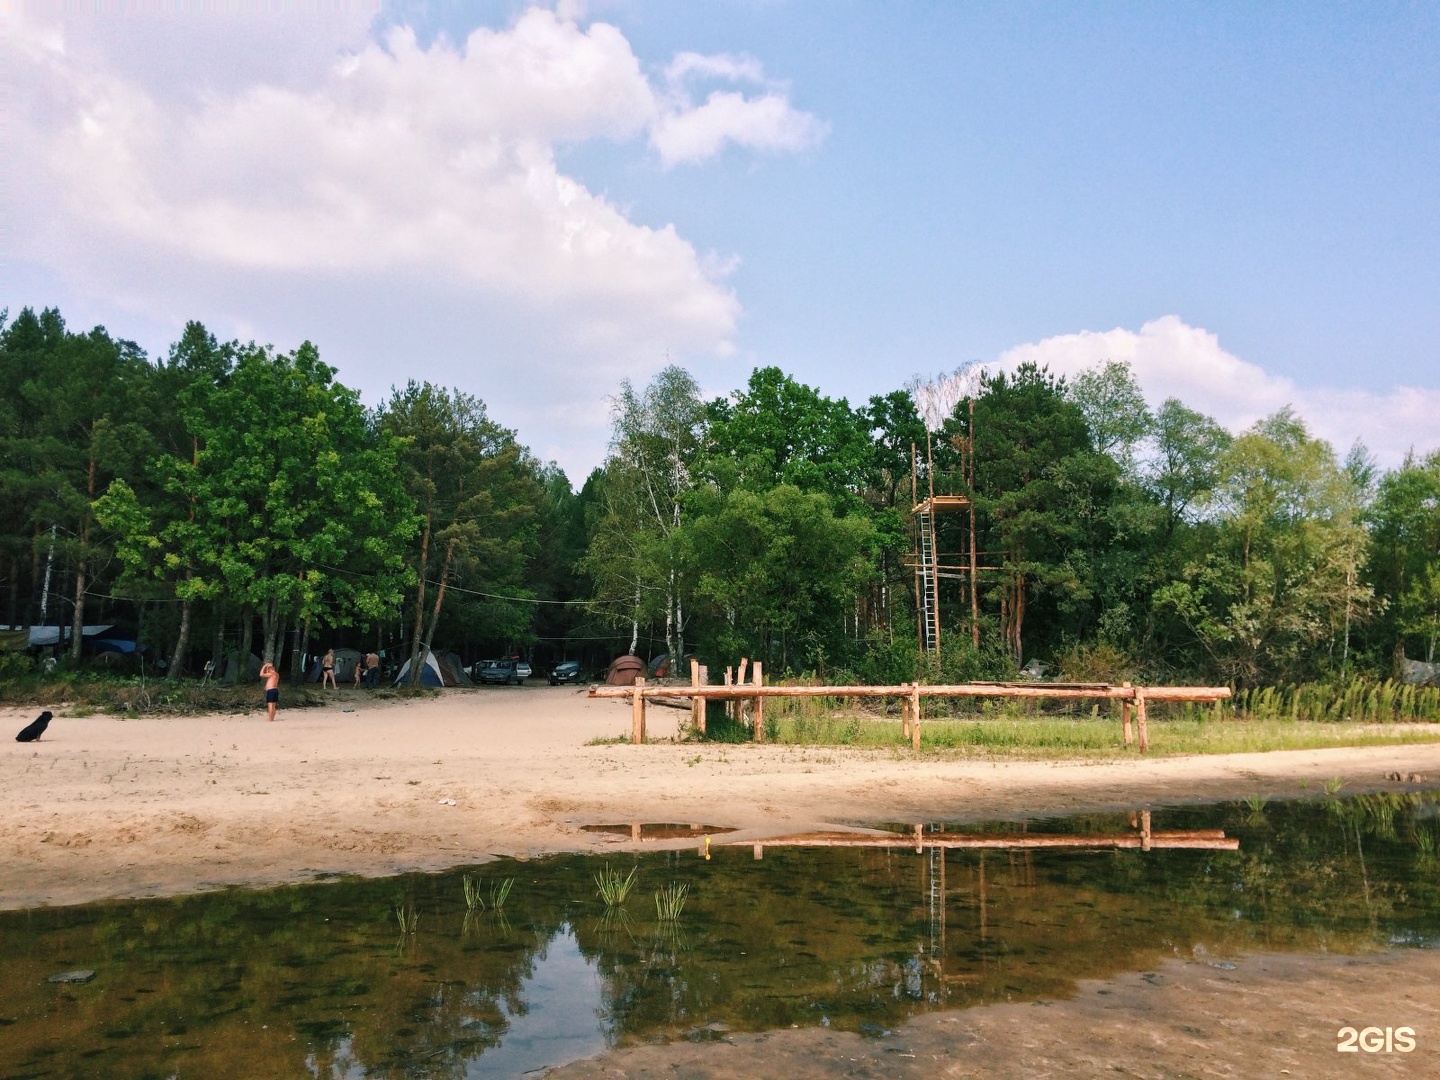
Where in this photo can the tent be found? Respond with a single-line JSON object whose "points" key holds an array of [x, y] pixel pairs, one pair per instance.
{"points": [[345, 661], [435, 672], [457, 668], [624, 670]]}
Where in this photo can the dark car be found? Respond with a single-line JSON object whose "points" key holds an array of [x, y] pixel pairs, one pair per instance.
{"points": [[567, 671], [494, 671]]}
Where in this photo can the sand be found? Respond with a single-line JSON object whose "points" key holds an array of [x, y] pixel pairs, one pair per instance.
{"points": [[104, 807]]}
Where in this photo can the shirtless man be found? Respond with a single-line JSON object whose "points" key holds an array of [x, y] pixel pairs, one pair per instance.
{"points": [[272, 687]]}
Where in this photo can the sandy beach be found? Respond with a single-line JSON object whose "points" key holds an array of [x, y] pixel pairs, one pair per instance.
{"points": [[103, 807]]}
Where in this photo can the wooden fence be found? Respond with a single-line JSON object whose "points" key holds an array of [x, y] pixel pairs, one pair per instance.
{"points": [[754, 692]]}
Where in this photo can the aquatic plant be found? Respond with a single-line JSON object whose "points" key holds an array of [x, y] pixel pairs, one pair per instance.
{"points": [[613, 888], [670, 901], [499, 890], [473, 900], [1334, 784], [406, 915]]}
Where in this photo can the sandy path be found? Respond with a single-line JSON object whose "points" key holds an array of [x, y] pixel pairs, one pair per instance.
{"points": [[109, 808]]}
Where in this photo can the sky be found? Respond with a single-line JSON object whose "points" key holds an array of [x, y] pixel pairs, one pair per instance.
{"points": [[533, 202]]}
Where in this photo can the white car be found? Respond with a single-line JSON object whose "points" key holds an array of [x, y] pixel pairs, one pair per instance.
{"points": [[522, 670]]}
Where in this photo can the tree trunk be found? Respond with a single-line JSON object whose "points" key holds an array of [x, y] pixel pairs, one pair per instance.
{"points": [[415, 667], [77, 623], [270, 626], [635, 621], [419, 604], [247, 643], [297, 656], [182, 642]]}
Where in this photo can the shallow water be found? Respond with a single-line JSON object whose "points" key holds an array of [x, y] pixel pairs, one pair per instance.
{"points": [[319, 980]]}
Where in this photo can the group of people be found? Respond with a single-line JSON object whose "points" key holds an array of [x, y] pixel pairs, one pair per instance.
{"points": [[367, 670], [367, 673]]}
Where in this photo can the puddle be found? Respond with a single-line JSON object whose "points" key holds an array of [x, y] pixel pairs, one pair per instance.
{"points": [[657, 830], [318, 980]]}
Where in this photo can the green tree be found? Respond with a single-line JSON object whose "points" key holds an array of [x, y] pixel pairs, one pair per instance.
{"points": [[632, 557], [299, 505], [1405, 570], [1281, 580], [778, 571], [477, 491]]}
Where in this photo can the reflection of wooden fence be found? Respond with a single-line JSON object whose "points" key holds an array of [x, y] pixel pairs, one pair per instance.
{"points": [[1133, 699], [1143, 839]]}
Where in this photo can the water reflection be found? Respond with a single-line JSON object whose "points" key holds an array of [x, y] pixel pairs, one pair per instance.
{"points": [[310, 980]]}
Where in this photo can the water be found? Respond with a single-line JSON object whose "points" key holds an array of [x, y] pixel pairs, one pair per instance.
{"points": [[319, 980]]}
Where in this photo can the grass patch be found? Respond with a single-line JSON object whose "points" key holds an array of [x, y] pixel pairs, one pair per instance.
{"points": [[1008, 735], [86, 693]]}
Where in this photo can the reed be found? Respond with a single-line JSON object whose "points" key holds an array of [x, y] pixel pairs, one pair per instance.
{"points": [[613, 888], [670, 901], [499, 890], [406, 916], [473, 900]]}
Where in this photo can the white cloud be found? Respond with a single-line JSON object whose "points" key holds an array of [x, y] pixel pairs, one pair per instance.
{"points": [[764, 123], [683, 132], [1172, 359], [361, 167]]}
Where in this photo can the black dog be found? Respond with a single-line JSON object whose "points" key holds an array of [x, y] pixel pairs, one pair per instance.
{"points": [[33, 732]]}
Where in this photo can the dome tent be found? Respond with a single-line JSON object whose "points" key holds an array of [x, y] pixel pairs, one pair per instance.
{"points": [[624, 670]]}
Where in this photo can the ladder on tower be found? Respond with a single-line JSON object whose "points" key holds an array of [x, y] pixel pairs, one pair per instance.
{"points": [[929, 585]]}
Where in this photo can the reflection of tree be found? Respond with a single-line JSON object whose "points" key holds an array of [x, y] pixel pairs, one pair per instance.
{"points": [[304, 980]]}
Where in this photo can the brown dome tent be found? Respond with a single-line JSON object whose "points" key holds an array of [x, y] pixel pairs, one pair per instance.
{"points": [[623, 670]]}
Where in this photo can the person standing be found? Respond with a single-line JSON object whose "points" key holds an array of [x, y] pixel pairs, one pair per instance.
{"points": [[327, 671], [372, 669], [272, 688], [359, 670]]}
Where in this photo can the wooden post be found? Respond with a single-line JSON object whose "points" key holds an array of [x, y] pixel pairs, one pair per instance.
{"points": [[729, 681], [915, 715], [905, 717], [637, 712], [635, 831], [759, 852], [1144, 830], [759, 707], [697, 703], [1140, 720], [741, 706], [919, 841], [1125, 707]]}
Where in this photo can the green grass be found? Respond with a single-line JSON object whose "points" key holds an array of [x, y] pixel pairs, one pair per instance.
{"points": [[86, 693], [1004, 735]]}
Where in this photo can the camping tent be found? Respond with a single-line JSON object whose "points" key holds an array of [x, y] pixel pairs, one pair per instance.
{"points": [[624, 670], [435, 672], [457, 668]]}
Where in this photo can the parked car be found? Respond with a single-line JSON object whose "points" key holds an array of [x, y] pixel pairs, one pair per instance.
{"points": [[522, 670], [567, 671], [494, 671]]}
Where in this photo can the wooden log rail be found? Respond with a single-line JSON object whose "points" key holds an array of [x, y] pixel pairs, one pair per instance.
{"points": [[1133, 699]]}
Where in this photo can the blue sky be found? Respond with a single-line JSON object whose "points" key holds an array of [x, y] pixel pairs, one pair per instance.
{"points": [[1239, 199]]}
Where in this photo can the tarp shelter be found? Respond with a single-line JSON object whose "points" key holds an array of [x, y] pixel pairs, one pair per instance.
{"points": [[435, 672], [457, 668], [624, 670], [345, 661]]}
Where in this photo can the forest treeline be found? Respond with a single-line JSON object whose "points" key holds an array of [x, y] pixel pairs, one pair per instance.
{"points": [[229, 498]]}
